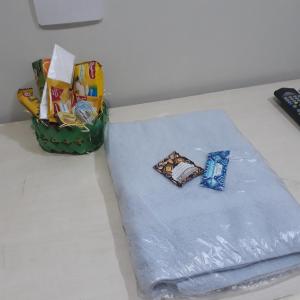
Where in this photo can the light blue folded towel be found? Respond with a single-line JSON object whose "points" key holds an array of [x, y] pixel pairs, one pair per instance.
{"points": [[193, 240]]}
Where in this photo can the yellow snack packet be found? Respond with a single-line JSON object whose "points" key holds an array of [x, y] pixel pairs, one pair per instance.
{"points": [[31, 103], [69, 119], [88, 83], [59, 98]]}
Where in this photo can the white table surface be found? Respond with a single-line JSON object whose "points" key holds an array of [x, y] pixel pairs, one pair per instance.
{"points": [[60, 230]]}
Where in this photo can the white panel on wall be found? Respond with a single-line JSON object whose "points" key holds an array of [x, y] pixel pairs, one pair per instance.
{"points": [[54, 12]]}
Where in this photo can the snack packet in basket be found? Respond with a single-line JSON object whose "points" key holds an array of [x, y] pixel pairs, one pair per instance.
{"points": [[40, 69], [60, 69], [31, 103], [60, 99], [85, 112], [88, 83], [69, 119]]}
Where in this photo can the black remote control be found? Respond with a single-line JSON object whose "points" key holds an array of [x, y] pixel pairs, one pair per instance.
{"points": [[290, 101]]}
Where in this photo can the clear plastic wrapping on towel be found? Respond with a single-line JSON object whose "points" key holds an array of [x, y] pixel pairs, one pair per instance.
{"points": [[192, 241]]}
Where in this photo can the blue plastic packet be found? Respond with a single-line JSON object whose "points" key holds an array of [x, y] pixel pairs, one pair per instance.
{"points": [[215, 170], [85, 112]]}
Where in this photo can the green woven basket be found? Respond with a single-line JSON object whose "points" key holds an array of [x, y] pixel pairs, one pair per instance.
{"points": [[72, 140]]}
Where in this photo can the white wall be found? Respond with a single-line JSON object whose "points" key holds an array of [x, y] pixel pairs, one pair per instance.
{"points": [[159, 49]]}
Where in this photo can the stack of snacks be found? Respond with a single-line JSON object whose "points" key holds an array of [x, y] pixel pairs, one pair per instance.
{"points": [[62, 85], [70, 96]]}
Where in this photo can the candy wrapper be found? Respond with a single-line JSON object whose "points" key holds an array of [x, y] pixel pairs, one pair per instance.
{"points": [[69, 119], [31, 103], [85, 112], [89, 83], [60, 69], [59, 98], [40, 69], [178, 169], [215, 170]]}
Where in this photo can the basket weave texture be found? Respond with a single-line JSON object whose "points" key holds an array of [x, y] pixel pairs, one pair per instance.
{"points": [[71, 140]]}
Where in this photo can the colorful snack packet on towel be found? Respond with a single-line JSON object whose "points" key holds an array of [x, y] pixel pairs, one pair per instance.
{"points": [[215, 170], [31, 103], [178, 168]]}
